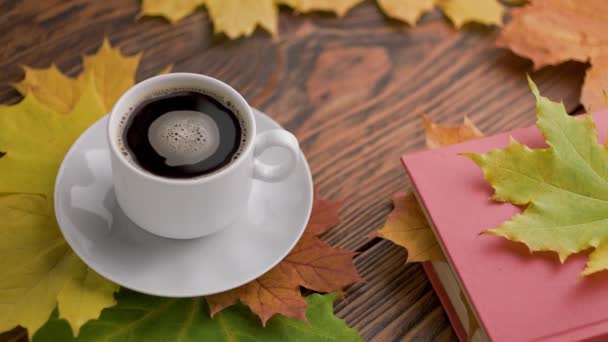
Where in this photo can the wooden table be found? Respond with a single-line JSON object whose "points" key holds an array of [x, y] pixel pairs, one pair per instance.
{"points": [[350, 89]]}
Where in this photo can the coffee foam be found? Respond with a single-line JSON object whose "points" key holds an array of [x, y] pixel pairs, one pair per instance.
{"points": [[124, 121], [184, 137]]}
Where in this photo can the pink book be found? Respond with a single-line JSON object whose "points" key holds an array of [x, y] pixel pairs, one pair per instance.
{"points": [[514, 295]]}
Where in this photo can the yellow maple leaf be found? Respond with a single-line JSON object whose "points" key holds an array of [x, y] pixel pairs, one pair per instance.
{"points": [[340, 7], [595, 87], [406, 225], [35, 138], [84, 295], [38, 270], [174, 10], [460, 12], [406, 10], [61, 96], [440, 135], [113, 73], [238, 18]]}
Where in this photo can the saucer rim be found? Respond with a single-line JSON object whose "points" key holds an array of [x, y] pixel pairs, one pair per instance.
{"points": [[179, 294]]}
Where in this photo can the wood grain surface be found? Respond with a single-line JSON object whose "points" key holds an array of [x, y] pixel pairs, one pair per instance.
{"points": [[351, 90]]}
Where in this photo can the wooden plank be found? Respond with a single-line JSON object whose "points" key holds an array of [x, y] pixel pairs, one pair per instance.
{"points": [[15, 335]]}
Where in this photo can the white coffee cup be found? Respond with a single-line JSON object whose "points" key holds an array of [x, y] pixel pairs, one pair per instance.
{"points": [[193, 207]]}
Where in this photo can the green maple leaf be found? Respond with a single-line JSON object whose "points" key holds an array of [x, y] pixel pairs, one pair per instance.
{"points": [[564, 186], [139, 317]]}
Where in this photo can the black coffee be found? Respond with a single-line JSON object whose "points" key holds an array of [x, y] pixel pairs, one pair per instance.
{"points": [[183, 134]]}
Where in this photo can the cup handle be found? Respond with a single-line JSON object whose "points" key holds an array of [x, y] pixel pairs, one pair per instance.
{"points": [[278, 172]]}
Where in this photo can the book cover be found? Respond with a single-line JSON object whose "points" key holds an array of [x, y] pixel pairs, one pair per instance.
{"points": [[517, 295]]}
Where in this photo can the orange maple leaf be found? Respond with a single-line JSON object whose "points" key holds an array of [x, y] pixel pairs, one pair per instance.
{"points": [[550, 32], [594, 95], [439, 135], [312, 264]]}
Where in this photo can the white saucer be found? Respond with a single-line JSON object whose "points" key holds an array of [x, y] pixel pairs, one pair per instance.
{"points": [[107, 241]]}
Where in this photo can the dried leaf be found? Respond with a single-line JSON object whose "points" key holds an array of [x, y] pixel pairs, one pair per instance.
{"points": [[38, 270], [564, 187], [440, 135], [238, 18], [406, 10], [174, 10], [594, 95], [406, 225], [550, 32], [325, 215], [312, 264], [460, 12], [340, 7], [272, 293]]}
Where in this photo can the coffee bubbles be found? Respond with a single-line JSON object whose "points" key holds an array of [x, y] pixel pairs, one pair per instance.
{"points": [[182, 133], [184, 137]]}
